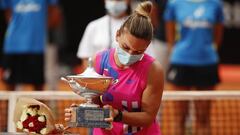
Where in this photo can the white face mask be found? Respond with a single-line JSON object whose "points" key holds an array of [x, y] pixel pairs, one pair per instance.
{"points": [[115, 8], [127, 59]]}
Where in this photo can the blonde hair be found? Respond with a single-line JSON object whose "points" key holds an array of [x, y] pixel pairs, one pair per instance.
{"points": [[139, 22]]}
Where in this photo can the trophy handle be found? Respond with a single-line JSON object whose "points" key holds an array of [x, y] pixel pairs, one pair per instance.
{"points": [[64, 79], [74, 85]]}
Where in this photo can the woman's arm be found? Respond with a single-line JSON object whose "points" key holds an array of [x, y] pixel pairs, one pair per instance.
{"points": [[151, 99]]}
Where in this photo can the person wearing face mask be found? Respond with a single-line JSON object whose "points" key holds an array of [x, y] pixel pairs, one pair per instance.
{"points": [[127, 59], [136, 96], [198, 27], [99, 33]]}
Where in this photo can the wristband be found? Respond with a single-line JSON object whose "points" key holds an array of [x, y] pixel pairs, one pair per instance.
{"points": [[118, 117]]}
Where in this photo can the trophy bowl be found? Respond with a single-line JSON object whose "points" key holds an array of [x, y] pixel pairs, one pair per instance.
{"points": [[89, 84]]}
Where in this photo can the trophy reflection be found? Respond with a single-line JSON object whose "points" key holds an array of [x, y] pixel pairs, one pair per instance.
{"points": [[89, 84]]}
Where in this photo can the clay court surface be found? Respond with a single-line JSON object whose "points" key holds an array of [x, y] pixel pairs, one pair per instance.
{"points": [[228, 112]]}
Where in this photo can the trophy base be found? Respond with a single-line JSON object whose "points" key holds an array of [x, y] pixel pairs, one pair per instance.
{"points": [[90, 117]]}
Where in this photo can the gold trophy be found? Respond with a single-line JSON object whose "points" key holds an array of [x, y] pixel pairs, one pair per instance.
{"points": [[89, 84]]}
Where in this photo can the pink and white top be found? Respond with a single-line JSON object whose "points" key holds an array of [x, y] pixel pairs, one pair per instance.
{"points": [[126, 93]]}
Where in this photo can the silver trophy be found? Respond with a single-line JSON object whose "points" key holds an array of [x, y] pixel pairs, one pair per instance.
{"points": [[89, 85]]}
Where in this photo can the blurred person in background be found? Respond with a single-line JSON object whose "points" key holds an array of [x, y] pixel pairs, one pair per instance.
{"points": [[194, 60], [25, 40], [100, 33]]}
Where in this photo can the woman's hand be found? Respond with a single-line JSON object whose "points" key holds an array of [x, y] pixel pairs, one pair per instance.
{"points": [[68, 112], [113, 113]]}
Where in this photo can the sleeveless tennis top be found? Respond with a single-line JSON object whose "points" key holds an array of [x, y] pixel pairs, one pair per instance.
{"points": [[126, 93]]}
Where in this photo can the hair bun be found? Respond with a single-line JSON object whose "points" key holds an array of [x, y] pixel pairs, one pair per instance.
{"points": [[144, 8]]}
